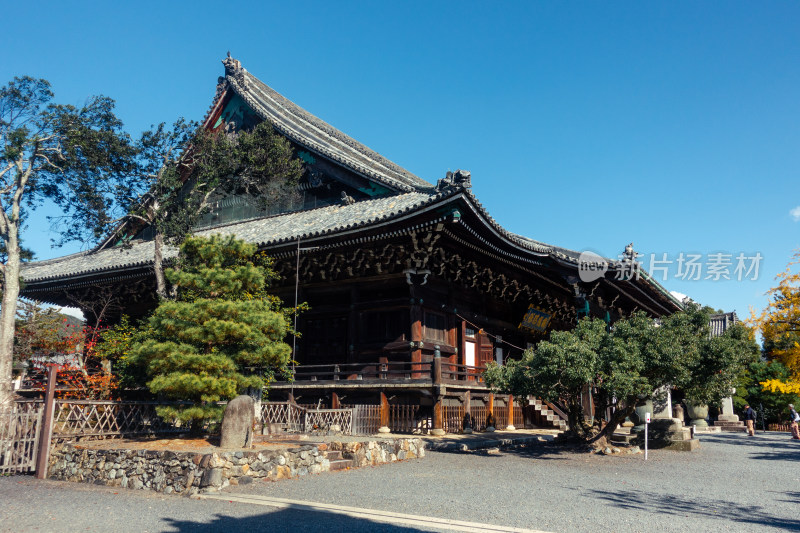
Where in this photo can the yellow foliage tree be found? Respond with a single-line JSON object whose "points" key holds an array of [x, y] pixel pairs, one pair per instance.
{"points": [[779, 325], [776, 385]]}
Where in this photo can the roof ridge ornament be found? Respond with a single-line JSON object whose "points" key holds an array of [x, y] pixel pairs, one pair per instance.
{"points": [[630, 255], [234, 70], [460, 179]]}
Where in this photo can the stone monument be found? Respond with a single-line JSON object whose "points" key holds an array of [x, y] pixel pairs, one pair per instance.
{"points": [[237, 423], [727, 419]]}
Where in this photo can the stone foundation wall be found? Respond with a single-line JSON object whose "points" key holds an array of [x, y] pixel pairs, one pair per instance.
{"points": [[189, 473]]}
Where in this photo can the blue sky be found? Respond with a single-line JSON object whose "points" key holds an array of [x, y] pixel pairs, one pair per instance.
{"points": [[673, 125]]}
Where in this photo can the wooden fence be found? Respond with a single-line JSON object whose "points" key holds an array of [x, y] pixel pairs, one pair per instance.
{"points": [[408, 419], [366, 419], [99, 418], [282, 417], [356, 419], [20, 426], [290, 417], [452, 418], [324, 420]]}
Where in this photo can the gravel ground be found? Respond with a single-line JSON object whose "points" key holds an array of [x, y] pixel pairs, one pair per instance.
{"points": [[733, 483], [28, 505]]}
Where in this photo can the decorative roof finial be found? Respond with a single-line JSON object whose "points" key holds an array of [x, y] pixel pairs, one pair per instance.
{"points": [[630, 254], [461, 179], [234, 70]]}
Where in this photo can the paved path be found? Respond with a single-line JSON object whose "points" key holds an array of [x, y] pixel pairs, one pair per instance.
{"points": [[734, 483]]}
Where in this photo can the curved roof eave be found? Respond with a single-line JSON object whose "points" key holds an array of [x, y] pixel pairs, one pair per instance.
{"points": [[313, 133]]}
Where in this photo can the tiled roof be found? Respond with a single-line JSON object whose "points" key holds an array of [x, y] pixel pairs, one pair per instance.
{"points": [[720, 323], [280, 229], [317, 135], [271, 231], [262, 231]]}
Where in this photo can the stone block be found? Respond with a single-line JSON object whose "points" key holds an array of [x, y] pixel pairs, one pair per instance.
{"points": [[212, 477], [237, 423], [684, 445]]}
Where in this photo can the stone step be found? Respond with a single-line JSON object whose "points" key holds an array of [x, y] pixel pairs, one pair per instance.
{"points": [[333, 455], [709, 429], [684, 445], [725, 423], [684, 434], [549, 415], [734, 429], [622, 439], [341, 464]]}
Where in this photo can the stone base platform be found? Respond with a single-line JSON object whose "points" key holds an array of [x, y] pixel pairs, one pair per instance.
{"points": [[189, 473], [670, 434], [622, 436], [683, 445], [709, 429], [736, 426]]}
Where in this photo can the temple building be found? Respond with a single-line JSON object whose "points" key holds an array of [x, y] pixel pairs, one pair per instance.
{"points": [[412, 285]]}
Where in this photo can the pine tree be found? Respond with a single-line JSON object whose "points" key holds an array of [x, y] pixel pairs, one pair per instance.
{"points": [[222, 335]]}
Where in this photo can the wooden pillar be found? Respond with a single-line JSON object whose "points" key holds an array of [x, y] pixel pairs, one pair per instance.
{"points": [[46, 431], [438, 419], [384, 415], [416, 339], [462, 348], [490, 414], [335, 404], [468, 412], [352, 325], [510, 426], [452, 340]]}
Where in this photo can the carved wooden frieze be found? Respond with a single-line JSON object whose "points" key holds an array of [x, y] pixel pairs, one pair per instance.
{"points": [[422, 255]]}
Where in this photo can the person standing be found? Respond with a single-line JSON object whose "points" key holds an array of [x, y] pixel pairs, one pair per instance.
{"points": [[794, 418], [750, 419]]}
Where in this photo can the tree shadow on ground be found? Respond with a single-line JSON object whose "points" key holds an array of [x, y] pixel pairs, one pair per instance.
{"points": [[772, 447], [546, 451], [290, 520], [701, 507], [768, 440], [791, 497]]}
